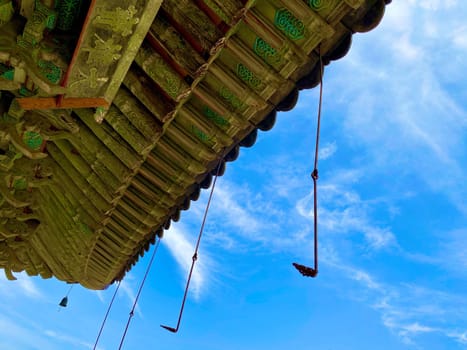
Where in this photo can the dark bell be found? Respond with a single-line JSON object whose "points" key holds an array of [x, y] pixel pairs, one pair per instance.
{"points": [[64, 302]]}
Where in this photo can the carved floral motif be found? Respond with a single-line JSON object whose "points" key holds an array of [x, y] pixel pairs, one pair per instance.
{"points": [[119, 20]]}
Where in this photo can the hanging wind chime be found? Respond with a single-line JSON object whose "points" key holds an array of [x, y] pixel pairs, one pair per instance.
{"points": [[303, 269], [64, 301]]}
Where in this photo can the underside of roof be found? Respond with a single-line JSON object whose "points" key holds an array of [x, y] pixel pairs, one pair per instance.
{"points": [[114, 114]]}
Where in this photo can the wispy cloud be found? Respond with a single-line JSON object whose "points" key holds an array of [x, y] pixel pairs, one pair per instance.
{"points": [[459, 37], [22, 333], [415, 121], [24, 286], [327, 150], [452, 252], [128, 287], [344, 212], [182, 246], [227, 205], [70, 340], [15, 335], [394, 126], [408, 310]]}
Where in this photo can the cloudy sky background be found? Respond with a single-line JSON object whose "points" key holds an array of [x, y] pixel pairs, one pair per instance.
{"points": [[392, 211]]}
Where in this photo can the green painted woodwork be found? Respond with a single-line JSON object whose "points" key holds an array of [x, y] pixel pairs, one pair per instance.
{"points": [[15, 111], [194, 20], [218, 10], [25, 92], [42, 18], [216, 117], [138, 115], [50, 71], [248, 77], [179, 49], [101, 160], [201, 135], [9, 74], [50, 14], [34, 30], [290, 25], [103, 52], [90, 81], [228, 96], [355, 4], [112, 140], [67, 13], [118, 20], [319, 4], [270, 55], [20, 183], [227, 10], [33, 140], [152, 100], [333, 10], [84, 228], [109, 46], [123, 127], [156, 68], [82, 207], [6, 11], [148, 11]]}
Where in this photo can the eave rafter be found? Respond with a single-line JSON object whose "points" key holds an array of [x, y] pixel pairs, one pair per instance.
{"points": [[179, 86]]}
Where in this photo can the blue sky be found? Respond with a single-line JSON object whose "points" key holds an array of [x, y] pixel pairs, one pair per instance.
{"points": [[392, 209]]}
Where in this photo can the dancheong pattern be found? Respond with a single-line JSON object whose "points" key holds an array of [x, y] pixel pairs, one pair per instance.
{"points": [[266, 52], [291, 26], [318, 4], [248, 77]]}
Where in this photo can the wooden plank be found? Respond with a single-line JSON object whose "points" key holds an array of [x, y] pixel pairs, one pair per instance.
{"points": [[37, 103]]}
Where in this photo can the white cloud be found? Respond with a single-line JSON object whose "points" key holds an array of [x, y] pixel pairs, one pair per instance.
{"points": [[434, 5], [13, 335], [344, 212], [406, 49], [407, 310], [452, 252], [327, 150], [227, 206], [24, 286], [414, 328], [459, 337], [459, 37], [22, 333], [182, 248], [100, 295], [366, 279], [405, 105], [75, 342], [128, 288]]}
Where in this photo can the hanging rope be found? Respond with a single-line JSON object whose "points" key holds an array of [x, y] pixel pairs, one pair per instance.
{"points": [[106, 314], [305, 270], [195, 255], [132, 312]]}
